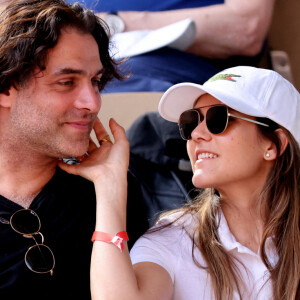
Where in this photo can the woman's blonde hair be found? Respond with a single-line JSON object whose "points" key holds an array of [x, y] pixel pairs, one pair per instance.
{"points": [[280, 196]]}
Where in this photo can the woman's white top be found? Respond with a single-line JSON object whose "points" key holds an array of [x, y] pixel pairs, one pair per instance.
{"points": [[171, 248]]}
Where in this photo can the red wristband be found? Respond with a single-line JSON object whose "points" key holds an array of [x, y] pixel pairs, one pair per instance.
{"points": [[109, 238]]}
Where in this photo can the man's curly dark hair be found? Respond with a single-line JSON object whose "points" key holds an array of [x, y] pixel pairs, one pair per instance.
{"points": [[29, 28]]}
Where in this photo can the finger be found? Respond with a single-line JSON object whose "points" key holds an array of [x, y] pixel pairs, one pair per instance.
{"points": [[92, 146], [82, 157], [105, 139], [68, 168], [117, 130], [99, 130]]}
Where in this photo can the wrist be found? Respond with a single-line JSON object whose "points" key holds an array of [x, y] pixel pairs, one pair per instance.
{"points": [[115, 23], [117, 239], [110, 215]]}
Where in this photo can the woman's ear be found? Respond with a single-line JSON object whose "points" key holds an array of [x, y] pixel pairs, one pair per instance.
{"points": [[271, 151], [284, 141]]}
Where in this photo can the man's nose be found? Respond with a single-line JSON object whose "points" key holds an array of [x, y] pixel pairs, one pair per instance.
{"points": [[89, 98]]}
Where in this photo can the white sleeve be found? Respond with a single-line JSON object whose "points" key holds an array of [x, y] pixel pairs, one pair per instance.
{"points": [[158, 247]]}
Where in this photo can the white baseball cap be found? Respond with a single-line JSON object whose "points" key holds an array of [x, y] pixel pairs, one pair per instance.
{"points": [[249, 90]]}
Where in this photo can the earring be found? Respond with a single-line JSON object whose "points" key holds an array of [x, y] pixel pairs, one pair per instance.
{"points": [[267, 154]]}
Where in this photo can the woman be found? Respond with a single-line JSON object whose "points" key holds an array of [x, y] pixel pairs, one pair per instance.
{"points": [[240, 238]]}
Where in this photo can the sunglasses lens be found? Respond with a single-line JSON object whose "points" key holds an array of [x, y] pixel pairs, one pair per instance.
{"points": [[216, 119], [40, 259], [25, 221], [188, 121]]}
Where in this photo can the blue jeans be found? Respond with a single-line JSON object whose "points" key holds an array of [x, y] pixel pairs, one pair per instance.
{"points": [[156, 71]]}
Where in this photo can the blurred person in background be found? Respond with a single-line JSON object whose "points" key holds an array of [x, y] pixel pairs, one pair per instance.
{"points": [[228, 33]]}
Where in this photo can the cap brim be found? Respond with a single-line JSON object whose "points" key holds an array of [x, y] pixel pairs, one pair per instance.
{"points": [[182, 96], [179, 98]]}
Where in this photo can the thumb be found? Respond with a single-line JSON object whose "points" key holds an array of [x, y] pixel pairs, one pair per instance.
{"points": [[71, 169]]}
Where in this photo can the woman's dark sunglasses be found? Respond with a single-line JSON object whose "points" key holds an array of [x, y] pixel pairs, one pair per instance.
{"points": [[39, 258], [216, 120]]}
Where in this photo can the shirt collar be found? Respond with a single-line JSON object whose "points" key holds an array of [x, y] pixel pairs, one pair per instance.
{"points": [[230, 243]]}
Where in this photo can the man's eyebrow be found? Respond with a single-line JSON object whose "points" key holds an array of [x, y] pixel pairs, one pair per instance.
{"points": [[64, 71]]}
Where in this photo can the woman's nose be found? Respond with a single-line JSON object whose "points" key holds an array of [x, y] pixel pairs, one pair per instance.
{"points": [[201, 132]]}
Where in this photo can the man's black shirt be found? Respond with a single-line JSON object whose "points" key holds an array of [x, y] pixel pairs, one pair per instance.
{"points": [[66, 208]]}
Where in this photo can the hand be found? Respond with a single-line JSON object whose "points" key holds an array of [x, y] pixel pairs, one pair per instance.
{"points": [[107, 164]]}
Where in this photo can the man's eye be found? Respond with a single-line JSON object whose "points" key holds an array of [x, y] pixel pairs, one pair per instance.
{"points": [[99, 84], [66, 82], [96, 82]]}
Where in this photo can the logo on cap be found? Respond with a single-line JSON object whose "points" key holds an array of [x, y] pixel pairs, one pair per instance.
{"points": [[223, 77]]}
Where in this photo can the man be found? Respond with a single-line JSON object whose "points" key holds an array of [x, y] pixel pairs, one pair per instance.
{"points": [[54, 63]]}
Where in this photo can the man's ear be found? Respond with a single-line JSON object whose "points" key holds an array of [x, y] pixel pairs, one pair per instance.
{"points": [[5, 98]]}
